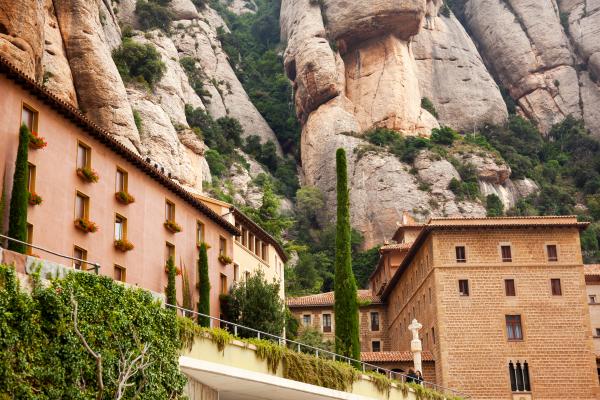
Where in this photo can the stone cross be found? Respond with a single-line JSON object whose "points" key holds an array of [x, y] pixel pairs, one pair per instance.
{"points": [[415, 345]]}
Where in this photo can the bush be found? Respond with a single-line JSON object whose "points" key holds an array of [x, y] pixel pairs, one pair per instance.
{"points": [[426, 103], [139, 62], [494, 206], [216, 163], [443, 135], [153, 14], [196, 77]]}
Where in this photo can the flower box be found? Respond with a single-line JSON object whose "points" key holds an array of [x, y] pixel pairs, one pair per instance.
{"points": [[172, 226], [124, 198], [36, 142], [34, 199], [85, 225], [225, 260], [177, 270], [88, 174], [123, 245]]}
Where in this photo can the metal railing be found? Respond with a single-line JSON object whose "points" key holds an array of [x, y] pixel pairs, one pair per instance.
{"points": [[95, 266], [236, 329]]}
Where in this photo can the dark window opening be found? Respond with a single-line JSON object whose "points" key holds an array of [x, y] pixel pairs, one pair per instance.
{"points": [[506, 253], [556, 288], [519, 377], [509, 286], [463, 287], [461, 254]]}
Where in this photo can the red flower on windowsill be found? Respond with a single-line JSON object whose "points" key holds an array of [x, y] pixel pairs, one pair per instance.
{"points": [[123, 245], [225, 260], [34, 199], [124, 197], [88, 174], [172, 226], [36, 142], [85, 225]]}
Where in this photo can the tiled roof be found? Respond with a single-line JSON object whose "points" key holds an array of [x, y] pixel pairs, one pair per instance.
{"points": [[591, 269], [327, 299], [92, 129], [559, 220], [396, 246], [393, 356]]}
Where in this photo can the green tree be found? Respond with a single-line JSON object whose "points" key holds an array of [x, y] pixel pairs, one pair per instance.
{"points": [[17, 218], [363, 265], [268, 215], [153, 14], [494, 206], [443, 135], [171, 290], [139, 62], [204, 287], [255, 303], [346, 306]]}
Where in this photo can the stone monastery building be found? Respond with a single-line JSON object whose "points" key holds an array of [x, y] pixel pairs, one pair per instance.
{"points": [[502, 302]]}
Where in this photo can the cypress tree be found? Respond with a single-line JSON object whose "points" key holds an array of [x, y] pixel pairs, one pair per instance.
{"points": [[171, 291], [17, 219], [204, 287], [346, 305]]}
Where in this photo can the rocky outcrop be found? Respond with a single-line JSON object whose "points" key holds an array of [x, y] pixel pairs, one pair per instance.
{"points": [[22, 34], [100, 90], [240, 7], [453, 76], [533, 57], [57, 76]]}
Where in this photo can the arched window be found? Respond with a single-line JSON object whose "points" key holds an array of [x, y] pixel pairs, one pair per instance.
{"points": [[519, 376]]}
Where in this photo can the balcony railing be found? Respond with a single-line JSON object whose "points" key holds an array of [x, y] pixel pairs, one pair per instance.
{"points": [[95, 266], [237, 329]]}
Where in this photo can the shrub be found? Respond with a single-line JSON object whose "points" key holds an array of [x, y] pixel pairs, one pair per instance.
{"points": [[443, 135], [17, 219], [34, 199], [124, 197], [153, 14], [172, 226], [195, 76], [139, 62], [86, 225], [427, 104], [137, 118], [225, 260], [494, 206], [88, 174], [216, 163], [36, 142]]}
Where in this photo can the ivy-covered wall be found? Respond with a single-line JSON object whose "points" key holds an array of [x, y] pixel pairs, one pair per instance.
{"points": [[44, 356]]}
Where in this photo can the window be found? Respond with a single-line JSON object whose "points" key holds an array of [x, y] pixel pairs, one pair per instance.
{"points": [[120, 227], [506, 253], [306, 320], [236, 272], [326, 323], [461, 255], [258, 247], [552, 253], [119, 273], [29, 238], [200, 238], [463, 287], [556, 289], [83, 155], [433, 334], [224, 284], [31, 178], [376, 346], [79, 254], [222, 246], [82, 206], [592, 298], [597, 332], [519, 377], [239, 227], [251, 241], [244, 237], [509, 287], [375, 321], [169, 210], [169, 252], [121, 181], [514, 330], [29, 118], [265, 252]]}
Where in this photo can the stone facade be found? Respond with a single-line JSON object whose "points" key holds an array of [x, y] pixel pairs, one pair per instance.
{"points": [[463, 303]]}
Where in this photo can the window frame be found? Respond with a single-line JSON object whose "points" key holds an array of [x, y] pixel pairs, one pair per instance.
{"points": [[86, 205], [456, 253], [304, 320], [171, 249], [200, 232], [597, 330], [123, 227], [169, 205], [223, 287], [373, 346], [510, 252], [513, 286], [125, 175], [555, 257], [83, 257], [592, 299], [326, 328], [123, 271], [461, 292], [222, 250], [31, 177], [371, 325], [513, 321], [88, 154], [555, 283], [35, 112]]}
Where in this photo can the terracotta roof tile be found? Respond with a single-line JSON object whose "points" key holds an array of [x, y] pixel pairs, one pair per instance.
{"points": [[392, 356], [326, 299], [396, 246]]}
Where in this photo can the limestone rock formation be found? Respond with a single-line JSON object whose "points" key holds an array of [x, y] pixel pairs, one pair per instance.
{"points": [[240, 7], [100, 90], [22, 34]]}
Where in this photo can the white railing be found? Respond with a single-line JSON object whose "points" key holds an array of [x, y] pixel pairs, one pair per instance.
{"points": [[237, 329]]}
